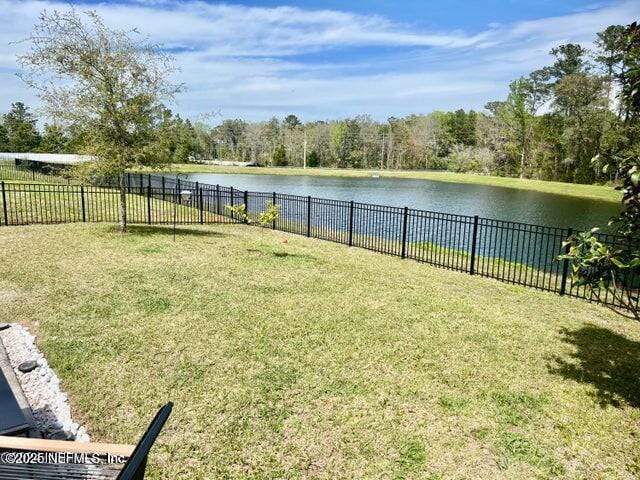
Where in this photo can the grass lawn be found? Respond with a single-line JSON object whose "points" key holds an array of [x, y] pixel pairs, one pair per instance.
{"points": [[313, 360], [596, 192]]}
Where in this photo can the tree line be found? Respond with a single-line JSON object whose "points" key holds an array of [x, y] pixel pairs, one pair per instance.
{"points": [[555, 124], [174, 138]]}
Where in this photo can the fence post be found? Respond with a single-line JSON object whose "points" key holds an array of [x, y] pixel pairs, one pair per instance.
{"points": [[404, 231], [128, 182], [218, 199], [149, 204], [232, 205], [84, 218], [141, 185], [201, 206], [472, 267], [149, 178], [308, 215], [163, 188], [565, 265], [274, 203], [351, 223], [178, 199], [4, 206], [198, 196], [246, 207]]}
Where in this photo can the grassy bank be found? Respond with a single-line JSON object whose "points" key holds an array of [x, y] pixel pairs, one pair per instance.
{"points": [[313, 360], [596, 192]]}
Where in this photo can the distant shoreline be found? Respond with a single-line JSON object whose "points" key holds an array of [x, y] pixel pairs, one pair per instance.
{"points": [[595, 192]]}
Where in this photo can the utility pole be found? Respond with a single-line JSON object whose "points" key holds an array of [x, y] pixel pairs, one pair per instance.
{"points": [[304, 154]]}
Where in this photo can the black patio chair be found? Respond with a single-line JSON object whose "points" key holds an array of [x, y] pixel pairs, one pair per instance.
{"points": [[37, 449]]}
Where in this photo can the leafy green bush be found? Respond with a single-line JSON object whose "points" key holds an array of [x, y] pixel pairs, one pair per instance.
{"points": [[598, 265]]}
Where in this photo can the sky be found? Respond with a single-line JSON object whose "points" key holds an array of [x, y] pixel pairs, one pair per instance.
{"points": [[333, 59]]}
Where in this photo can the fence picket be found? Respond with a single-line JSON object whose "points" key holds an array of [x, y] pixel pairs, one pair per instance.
{"points": [[84, 215], [474, 242], [405, 216], [565, 265], [4, 205]]}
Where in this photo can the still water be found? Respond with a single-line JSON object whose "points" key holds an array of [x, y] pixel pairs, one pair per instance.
{"points": [[464, 199]]}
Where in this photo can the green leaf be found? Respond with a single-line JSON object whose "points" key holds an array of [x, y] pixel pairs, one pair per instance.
{"points": [[618, 263]]}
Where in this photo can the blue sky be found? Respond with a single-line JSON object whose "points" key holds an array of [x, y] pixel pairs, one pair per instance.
{"points": [[461, 14], [328, 59]]}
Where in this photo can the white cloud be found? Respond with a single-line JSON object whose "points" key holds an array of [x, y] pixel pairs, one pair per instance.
{"points": [[257, 62]]}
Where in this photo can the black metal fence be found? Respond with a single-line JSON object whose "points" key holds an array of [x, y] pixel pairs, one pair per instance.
{"points": [[10, 171], [511, 252], [32, 203]]}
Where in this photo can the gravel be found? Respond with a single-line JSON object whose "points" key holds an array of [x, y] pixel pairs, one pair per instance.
{"points": [[41, 386]]}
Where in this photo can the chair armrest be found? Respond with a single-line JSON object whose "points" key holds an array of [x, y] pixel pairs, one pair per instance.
{"points": [[42, 445]]}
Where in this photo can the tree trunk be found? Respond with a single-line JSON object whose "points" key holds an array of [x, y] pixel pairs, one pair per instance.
{"points": [[522, 162], [123, 204]]}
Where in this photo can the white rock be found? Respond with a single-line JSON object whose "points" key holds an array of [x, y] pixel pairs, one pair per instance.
{"points": [[49, 404]]}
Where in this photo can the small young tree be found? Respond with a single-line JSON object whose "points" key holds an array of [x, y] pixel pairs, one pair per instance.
{"points": [[270, 215], [265, 218], [109, 82]]}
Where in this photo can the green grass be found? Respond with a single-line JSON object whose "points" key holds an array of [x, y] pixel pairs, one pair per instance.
{"points": [[595, 192], [313, 360]]}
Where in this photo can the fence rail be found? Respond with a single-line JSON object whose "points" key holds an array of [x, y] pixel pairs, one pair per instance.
{"points": [[512, 252]]}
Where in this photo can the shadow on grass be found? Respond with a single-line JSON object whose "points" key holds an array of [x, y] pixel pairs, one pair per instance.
{"points": [[147, 230], [606, 360], [282, 254], [292, 255]]}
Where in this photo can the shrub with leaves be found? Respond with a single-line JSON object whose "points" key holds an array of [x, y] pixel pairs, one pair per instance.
{"points": [[239, 212], [609, 268], [270, 215], [605, 268]]}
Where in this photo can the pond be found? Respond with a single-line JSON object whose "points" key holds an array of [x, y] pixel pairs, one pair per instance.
{"points": [[464, 199]]}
